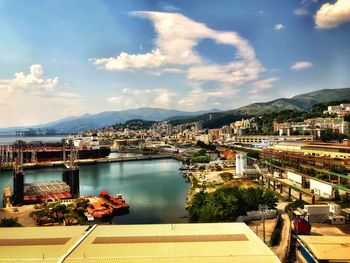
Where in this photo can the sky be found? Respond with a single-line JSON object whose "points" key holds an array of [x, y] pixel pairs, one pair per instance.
{"points": [[67, 58]]}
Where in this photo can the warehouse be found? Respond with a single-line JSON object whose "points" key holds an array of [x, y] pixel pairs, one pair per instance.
{"points": [[324, 248], [220, 242]]}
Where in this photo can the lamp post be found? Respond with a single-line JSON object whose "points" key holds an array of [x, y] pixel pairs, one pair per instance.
{"points": [[262, 209]]}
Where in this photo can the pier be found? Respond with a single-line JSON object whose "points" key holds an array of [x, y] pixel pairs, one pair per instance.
{"points": [[33, 165], [271, 177]]}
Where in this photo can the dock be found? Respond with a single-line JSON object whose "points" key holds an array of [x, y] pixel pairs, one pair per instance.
{"points": [[33, 165]]}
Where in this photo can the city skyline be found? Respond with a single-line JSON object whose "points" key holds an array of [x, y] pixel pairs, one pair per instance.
{"points": [[59, 59]]}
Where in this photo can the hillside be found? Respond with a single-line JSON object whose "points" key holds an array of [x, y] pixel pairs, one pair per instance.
{"points": [[299, 103], [107, 118], [296, 103]]}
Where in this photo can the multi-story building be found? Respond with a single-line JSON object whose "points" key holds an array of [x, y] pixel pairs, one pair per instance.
{"points": [[316, 148], [198, 126], [214, 134], [313, 126], [340, 110], [268, 139]]}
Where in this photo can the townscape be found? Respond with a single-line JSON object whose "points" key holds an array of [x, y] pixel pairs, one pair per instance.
{"points": [[175, 131], [295, 183]]}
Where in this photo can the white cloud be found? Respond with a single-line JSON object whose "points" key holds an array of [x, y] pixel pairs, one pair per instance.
{"points": [[261, 85], [301, 11], [177, 36], [136, 98], [33, 82], [129, 62], [173, 70], [279, 27], [198, 97], [333, 15], [32, 99], [301, 65]]}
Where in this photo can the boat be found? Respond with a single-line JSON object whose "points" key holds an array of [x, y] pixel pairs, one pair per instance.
{"points": [[118, 201], [105, 205]]}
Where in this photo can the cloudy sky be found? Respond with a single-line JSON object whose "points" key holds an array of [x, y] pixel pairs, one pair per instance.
{"points": [[63, 58]]}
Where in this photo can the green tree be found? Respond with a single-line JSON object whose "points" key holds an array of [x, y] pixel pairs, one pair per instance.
{"points": [[198, 201], [201, 152], [227, 203], [252, 198], [253, 154], [200, 159], [219, 208], [9, 222], [270, 199]]}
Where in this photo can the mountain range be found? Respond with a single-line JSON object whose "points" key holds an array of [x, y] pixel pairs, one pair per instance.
{"points": [[296, 103], [107, 118], [95, 121]]}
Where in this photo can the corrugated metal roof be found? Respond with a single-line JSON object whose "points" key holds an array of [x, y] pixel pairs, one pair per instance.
{"points": [[328, 247], [222, 242], [201, 244], [35, 244]]}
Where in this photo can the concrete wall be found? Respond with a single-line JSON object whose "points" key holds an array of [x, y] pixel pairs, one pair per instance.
{"points": [[315, 218], [294, 177], [317, 209], [321, 189]]}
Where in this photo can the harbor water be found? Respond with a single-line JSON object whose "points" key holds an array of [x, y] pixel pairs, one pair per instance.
{"points": [[154, 189], [6, 139]]}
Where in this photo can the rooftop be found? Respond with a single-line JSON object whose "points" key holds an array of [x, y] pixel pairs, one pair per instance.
{"points": [[34, 244], [219, 242], [328, 247]]}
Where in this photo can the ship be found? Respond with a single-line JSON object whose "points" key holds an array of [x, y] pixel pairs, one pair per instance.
{"points": [[105, 205], [84, 147], [57, 155]]}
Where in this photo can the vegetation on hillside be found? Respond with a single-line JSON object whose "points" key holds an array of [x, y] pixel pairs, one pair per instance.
{"points": [[200, 157], [210, 146], [9, 222], [217, 119], [136, 124], [227, 203], [296, 109]]}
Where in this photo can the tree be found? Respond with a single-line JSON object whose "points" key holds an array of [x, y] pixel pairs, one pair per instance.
{"points": [[252, 197], [220, 207], [9, 222], [270, 199], [198, 201], [253, 154], [330, 135], [200, 159], [210, 147], [227, 203], [201, 152]]}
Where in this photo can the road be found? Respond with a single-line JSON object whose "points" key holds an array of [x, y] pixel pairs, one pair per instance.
{"points": [[281, 249]]}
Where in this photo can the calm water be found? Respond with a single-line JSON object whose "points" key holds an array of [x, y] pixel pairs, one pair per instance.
{"points": [[155, 189], [11, 139]]}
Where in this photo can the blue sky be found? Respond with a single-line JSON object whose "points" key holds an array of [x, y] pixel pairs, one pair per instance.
{"points": [[63, 58]]}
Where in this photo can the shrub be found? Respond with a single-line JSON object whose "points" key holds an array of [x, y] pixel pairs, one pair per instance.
{"points": [[9, 222]]}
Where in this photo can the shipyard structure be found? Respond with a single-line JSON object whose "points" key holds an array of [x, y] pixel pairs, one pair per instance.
{"points": [[35, 192], [38, 152]]}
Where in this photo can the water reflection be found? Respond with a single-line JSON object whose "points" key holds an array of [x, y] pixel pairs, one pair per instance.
{"points": [[154, 189]]}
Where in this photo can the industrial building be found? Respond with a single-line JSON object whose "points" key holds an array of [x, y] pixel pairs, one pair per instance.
{"points": [[219, 242], [323, 249], [326, 213], [333, 150], [267, 139]]}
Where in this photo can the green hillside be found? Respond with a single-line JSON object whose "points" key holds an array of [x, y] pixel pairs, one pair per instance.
{"points": [[299, 103], [296, 103]]}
